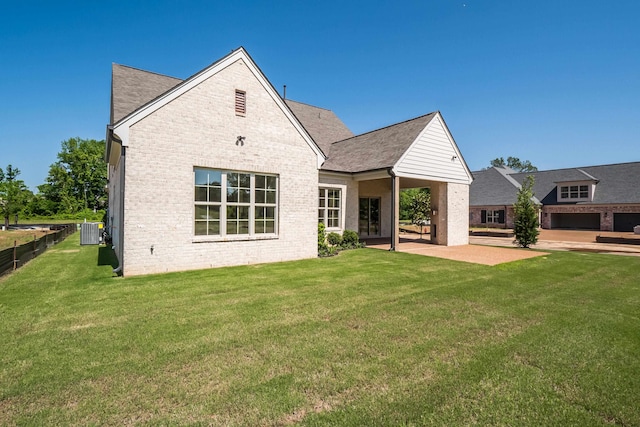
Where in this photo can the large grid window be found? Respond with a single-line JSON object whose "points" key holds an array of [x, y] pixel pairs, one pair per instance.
{"points": [[247, 206], [574, 192], [329, 207]]}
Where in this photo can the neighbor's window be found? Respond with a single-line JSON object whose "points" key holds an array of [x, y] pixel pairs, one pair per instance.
{"points": [[241, 102], [574, 192], [246, 206], [492, 216], [329, 205]]}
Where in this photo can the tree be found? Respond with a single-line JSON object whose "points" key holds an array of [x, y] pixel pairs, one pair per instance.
{"points": [[514, 163], [77, 180], [406, 199], [420, 209], [526, 215], [13, 193]]}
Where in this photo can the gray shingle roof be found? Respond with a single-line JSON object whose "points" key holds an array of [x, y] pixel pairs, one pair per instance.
{"points": [[131, 88], [616, 184], [491, 188], [375, 150], [323, 125]]}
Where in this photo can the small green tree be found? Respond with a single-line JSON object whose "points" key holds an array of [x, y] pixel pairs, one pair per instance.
{"points": [[14, 194], [419, 211], [406, 198], [526, 215]]}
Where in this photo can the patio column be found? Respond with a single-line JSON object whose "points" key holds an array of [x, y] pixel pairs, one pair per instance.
{"points": [[395, 210]]}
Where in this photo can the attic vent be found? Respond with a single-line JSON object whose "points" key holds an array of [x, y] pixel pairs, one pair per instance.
{"points": [[241, 102]]}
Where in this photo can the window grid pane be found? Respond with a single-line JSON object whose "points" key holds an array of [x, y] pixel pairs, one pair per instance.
{"points": [[329, 207], [237, 204]]}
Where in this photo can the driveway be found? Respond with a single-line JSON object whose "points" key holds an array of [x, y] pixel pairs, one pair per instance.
{"points": [[564, 240]]}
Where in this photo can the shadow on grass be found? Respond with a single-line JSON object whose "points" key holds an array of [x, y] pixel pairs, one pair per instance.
{"points": [[106, 256]]}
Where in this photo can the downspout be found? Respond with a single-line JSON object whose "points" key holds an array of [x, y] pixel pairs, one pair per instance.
{"points": [[393, 209], [121, 230]]}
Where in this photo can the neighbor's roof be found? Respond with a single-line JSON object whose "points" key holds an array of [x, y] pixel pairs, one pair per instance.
{"points": [[617, 183], [132, 88], [323, 125], [491, 188], [375, 150]]}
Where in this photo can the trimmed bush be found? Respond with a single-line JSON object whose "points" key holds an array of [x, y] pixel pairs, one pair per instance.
{"points": [[334, 239], [350, 239]]}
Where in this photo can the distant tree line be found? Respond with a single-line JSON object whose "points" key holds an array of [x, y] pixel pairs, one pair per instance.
{"points": [[514, 163], [75, 187]]}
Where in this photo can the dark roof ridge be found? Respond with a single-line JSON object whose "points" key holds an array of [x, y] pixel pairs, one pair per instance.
{"points": [[146, 71], [386, 127], [576, 168]]}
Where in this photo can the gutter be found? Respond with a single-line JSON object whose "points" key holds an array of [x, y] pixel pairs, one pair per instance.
{"points": [[393, 209]]}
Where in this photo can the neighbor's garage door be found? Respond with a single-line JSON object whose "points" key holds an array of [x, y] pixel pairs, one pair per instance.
{"points": [[625, 221], [582, 221]]}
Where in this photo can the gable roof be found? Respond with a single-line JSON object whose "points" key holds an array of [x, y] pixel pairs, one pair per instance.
{"points": [[378, 149], [615, 184], [132, 88], [120, 129], [323, 125]]}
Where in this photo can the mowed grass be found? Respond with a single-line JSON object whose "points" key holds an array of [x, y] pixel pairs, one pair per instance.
{"points": [[365, 338]]}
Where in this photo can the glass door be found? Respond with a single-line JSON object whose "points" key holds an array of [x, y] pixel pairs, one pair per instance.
{"points": [[369, 220]]}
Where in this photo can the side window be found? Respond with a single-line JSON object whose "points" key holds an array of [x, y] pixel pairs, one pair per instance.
{"points": [[234, 203]]}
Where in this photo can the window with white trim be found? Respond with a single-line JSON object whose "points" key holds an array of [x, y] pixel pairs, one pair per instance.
{"points": [[231, 203], [490, 216], [329, 207], [574, 192], [493, 216]]}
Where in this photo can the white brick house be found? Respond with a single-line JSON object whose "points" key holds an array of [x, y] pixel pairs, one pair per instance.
{"points": [[219, 170]]}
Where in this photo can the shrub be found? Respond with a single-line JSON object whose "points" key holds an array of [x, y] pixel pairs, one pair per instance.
{"points": [[350, 239], [322, 235], [334, 239], [526, 215], [323, 248]]}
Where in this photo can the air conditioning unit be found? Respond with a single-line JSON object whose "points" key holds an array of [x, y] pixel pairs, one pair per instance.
{"points": [[91, 233]]}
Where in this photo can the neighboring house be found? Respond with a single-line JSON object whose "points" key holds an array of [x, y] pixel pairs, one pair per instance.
{"points": [[219, 170], [605, 197]]}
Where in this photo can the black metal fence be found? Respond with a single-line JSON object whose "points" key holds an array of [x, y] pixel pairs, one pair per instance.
{"points": [[16, 256]]}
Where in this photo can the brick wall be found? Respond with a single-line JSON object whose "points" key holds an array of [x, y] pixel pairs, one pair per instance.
{"points": [[349, 199], [606, 213], [475, 216], [199, 129]]}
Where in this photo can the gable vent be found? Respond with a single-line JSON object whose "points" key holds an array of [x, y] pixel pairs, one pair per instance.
{"points": [[241, 102]]}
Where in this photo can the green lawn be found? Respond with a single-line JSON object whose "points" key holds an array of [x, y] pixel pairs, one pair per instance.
{"points": [[365, 338]]}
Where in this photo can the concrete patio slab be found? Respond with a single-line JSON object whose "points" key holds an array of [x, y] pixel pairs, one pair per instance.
{"points": [[486, 255]]}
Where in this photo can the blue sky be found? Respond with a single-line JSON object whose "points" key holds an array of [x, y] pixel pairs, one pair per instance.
{"points": [[553, 82]]}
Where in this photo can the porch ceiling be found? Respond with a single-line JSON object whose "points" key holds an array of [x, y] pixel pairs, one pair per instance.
{"points": [[415, 183]]}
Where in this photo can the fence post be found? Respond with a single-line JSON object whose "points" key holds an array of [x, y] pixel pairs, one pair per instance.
{"points": [[15, 248], [35, 246]]}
